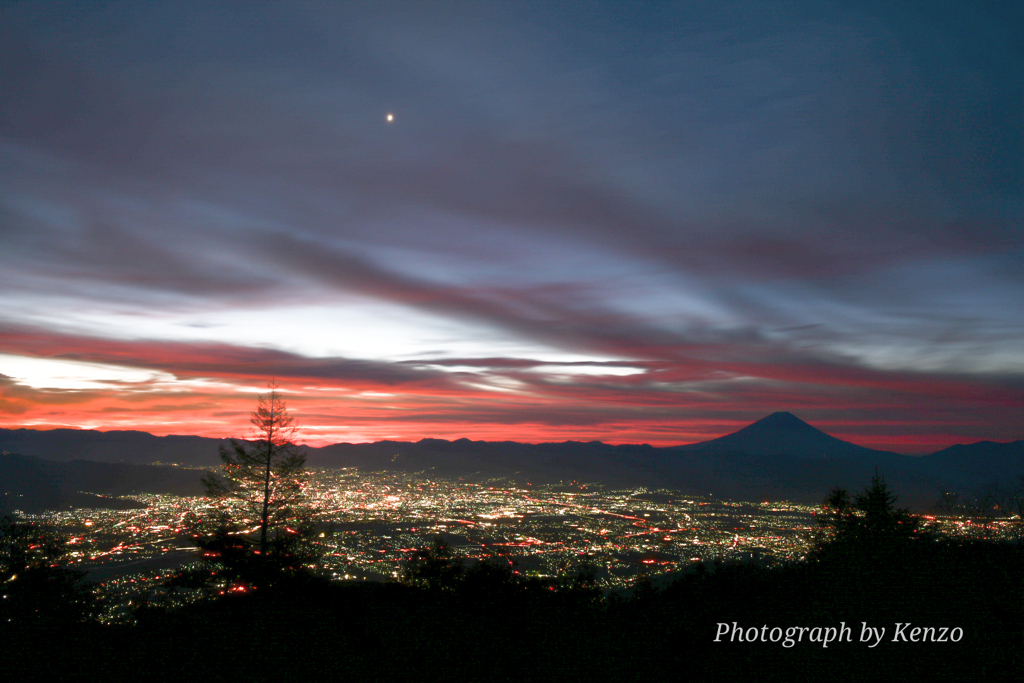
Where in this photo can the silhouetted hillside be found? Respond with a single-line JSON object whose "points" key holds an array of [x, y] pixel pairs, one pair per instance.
{"points": [[31, 484], [981, 464], [501, 628]]}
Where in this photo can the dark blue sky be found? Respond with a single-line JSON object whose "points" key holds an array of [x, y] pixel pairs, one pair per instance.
{"points": [[626, 221]]}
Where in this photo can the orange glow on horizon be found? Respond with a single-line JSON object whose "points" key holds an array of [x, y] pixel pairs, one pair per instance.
{"points": [[209, 390]]}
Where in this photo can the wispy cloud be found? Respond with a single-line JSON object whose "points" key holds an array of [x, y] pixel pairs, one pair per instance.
{"points": [[803, 207]]}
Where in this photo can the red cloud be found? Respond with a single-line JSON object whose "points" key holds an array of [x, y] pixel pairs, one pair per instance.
{"points": [[674, 400]]}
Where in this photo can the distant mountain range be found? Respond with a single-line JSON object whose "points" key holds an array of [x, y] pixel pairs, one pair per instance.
{"points": [[778, 457]]}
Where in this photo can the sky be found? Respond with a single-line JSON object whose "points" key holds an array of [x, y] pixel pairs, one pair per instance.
{"points": [[627, 222]]}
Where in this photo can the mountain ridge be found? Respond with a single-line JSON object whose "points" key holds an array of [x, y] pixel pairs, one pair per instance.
{"points": [[777, 423], [777, 457]]}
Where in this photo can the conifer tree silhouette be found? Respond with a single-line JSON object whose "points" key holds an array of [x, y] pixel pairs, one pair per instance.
{"points": [[266, 475], [865, 526]]}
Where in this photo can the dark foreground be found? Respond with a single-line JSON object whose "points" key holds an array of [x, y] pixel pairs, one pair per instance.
{"points": [[487, 625]]}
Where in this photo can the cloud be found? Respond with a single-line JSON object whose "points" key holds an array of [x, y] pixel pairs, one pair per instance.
{"points": [[755, 207], [665, 401]]}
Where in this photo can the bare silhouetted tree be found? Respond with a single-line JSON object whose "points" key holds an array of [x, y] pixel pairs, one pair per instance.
{"points": [[266, 475]]}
